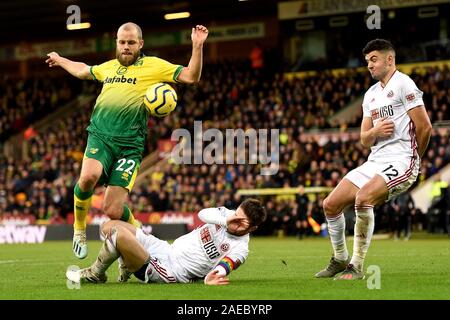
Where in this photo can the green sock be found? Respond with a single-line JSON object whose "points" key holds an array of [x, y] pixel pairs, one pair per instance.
{"points": [[127, 216]]}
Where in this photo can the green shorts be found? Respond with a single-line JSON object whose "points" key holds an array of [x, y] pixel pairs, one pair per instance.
{"points": [[120, 160]]}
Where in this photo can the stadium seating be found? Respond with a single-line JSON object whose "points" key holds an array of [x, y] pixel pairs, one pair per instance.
{"points": [[23, 102], [231, 95]]}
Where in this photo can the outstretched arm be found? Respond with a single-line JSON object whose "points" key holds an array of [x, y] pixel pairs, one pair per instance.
{"points": [[77, 69], [192, 73]]}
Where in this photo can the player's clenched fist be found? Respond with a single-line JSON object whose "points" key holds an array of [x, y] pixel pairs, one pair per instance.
{"points": [[53, 60], [199, 34], [384, 128]]}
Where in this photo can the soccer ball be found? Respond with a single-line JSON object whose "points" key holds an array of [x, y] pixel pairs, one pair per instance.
{"points": [[160, 99]]}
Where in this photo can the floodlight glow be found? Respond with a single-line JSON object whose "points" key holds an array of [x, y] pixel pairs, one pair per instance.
{"points": [[177, 15], [78, 26]]}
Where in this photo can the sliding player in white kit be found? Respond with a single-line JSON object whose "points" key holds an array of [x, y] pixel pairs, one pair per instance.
{"points": [[209, 252], [397, 128]]}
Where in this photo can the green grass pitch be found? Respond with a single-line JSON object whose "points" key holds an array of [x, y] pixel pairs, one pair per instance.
{"points": [[416, 269]]}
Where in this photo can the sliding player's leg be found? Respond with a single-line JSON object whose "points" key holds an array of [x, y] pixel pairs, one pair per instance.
{"points": [[115, 207], [120, 241], [137, 250], [96, 273]]}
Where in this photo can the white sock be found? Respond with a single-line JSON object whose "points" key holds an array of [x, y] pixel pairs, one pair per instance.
{"points": [[336, 229], [363, 234], [107, 255]]}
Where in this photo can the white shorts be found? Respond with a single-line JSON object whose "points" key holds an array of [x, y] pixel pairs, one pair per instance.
{"points": [[398, 175], [160, 265]]}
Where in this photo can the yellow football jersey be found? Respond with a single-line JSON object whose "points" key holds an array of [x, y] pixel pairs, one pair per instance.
{"points": [[119, 111]]}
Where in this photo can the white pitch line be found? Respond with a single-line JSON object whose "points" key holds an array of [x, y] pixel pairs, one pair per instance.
{"points": [[8, 261], [31, 262]]}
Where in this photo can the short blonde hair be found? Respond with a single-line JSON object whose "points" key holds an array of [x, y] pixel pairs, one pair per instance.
{"points": [[129, 26]]}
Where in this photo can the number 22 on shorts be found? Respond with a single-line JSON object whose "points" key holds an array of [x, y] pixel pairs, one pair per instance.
{"points": [[126, 165]]}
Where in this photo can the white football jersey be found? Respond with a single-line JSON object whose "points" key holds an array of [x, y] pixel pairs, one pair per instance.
{"points": [[393, 101], [199, 251]]}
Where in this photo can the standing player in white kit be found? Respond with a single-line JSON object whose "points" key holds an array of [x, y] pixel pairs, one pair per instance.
{"points": [[397, 128], [211, 251]]}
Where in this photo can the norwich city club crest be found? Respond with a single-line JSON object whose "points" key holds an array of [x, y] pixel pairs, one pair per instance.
{"points": [[121, 70]]}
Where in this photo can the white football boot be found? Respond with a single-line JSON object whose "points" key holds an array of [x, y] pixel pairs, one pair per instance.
{"points": [[85, 275], [79, 245]]}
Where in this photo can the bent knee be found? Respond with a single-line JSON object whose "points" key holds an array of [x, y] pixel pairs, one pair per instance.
{"points": [[106, 227], [113, 211], [364, 199], [331, 207], [88, 181]]}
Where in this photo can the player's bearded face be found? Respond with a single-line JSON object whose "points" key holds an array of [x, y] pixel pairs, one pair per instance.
{"points": [[127, 56], [128, 48]]}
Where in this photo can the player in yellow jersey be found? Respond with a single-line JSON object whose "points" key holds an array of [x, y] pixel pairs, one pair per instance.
{"points": [[117, 128]]}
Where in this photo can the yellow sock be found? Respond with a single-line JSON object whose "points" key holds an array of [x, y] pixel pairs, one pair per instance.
{"points": [[134, 222], [128, 217], [82, 204]]}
